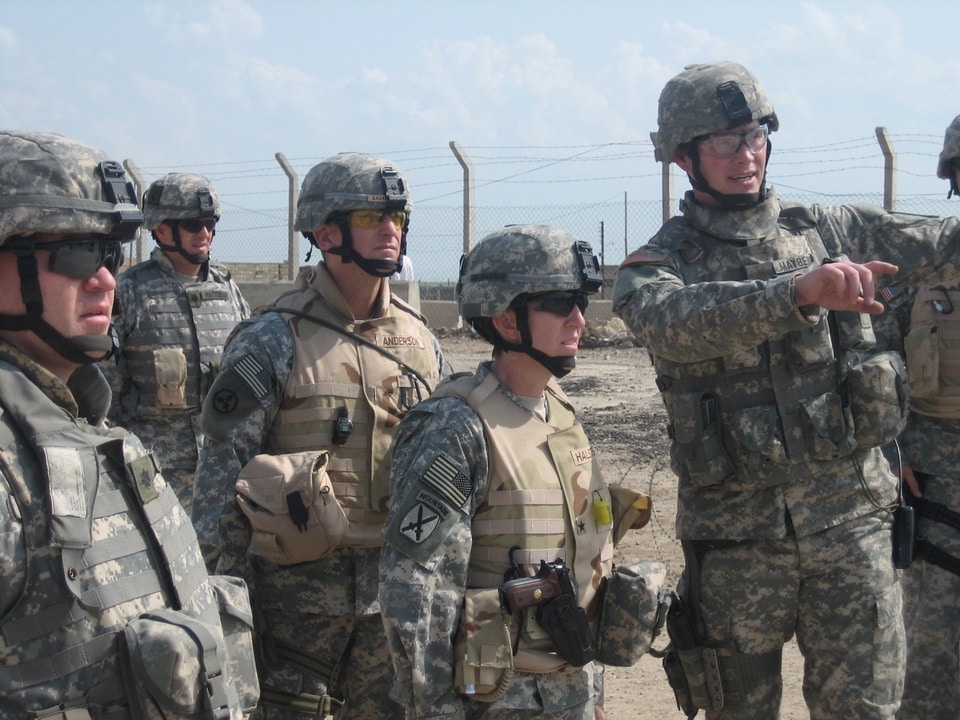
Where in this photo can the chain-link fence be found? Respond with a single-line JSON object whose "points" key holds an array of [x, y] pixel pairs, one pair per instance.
{"points": [[435, 243]]}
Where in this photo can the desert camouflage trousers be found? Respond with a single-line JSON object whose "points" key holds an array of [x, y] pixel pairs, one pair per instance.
{"points": [[837, 591], [931, 612]]}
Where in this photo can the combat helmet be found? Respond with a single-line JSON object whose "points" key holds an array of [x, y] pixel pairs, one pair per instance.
{"points": [[50, 184], [706, 99], [950, 155], [177, 197], [353, 181], [510, 266]]}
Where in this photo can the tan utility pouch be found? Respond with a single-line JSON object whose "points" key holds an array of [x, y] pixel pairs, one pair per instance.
{"points": [[633, 608], [292, 508], [170, 365], [922, 346], [483, 652]]}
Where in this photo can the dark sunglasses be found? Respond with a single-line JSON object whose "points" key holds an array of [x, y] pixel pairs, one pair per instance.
{"points": [[560, 302], [195, 225], [81, 258]]}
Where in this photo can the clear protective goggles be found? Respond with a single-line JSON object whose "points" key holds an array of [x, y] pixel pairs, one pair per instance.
{"points": [[727, 144]]}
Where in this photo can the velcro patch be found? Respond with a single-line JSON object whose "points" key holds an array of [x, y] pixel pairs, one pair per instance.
{"points": [[644, 256], [399, 341], [254, 375], [446, 479]]}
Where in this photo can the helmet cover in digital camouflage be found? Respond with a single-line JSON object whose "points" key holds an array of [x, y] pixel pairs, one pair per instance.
{"points": [[951, 149], [50, 184], [523, 259], [709, 98], [179, 196], [349, 181]]}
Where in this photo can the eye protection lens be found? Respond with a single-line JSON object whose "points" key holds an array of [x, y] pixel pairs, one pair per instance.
{"points": [[727, 144], [560, 303], [371, 219], [195, 225], [81, 258]]}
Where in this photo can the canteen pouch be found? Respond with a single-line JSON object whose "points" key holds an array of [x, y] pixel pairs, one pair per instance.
{"points": [[170, 366], [633, 605], [173, 667], [290, 503], [877, 388], [483, 651], [236, 619]]}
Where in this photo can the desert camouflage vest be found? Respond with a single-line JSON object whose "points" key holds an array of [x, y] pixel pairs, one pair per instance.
{"points": [[790, 381], [104, 544], [933, 353], [335, 379], [545, 495], [175, 352]]}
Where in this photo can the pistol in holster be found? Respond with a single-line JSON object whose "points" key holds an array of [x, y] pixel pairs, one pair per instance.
{"points": [[557, 611]]}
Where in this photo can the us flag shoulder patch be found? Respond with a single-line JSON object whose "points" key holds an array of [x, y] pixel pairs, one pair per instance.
{"points": [[446, 479], [254, 376]]}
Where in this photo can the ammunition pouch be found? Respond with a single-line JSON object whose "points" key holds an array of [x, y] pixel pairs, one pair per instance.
{"points": [[483, 650], [173, 668], [877, 388], [633, 607], [292, 508], [170, 366]]}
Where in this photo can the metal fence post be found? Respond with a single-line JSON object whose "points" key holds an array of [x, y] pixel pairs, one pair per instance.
{"points": [[889, 170], [293, 243]]}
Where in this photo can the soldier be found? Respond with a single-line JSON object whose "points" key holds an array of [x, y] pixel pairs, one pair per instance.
{"points": [[756, 313], [106, 609], [921, 323], [491, 476], [174, 314], [326, 372]]}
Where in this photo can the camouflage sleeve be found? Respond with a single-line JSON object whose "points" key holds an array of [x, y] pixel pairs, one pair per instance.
{"points": [[439, 472], [926, 249], [445, 368], [123, 322], [239, 301], [690, 323], [236, 417]]}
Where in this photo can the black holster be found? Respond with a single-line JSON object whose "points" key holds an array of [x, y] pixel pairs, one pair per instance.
{"points": [[566, 624]]}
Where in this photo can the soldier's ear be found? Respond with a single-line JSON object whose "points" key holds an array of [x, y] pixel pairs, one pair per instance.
{"points": [[505, 324]]}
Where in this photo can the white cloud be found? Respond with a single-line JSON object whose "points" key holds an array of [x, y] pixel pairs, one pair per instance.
{"points": [[8, 42]]}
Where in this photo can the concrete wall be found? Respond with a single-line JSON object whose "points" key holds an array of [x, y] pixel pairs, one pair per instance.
{"points": [[439, 313]]}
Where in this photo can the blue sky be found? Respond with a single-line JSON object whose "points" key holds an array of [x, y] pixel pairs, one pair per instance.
{"points": [[552, 101]]}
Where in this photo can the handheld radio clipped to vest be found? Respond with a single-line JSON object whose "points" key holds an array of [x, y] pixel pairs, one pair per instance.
{"points": [[342, 427]]}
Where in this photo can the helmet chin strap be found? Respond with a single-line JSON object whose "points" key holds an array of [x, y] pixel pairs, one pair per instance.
{"points": [[733, 201], [75, 349], [380, 268], [194, 258], [558, 365]]}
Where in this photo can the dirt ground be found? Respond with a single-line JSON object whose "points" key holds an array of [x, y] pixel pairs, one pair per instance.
{"points": [[618, 404]]}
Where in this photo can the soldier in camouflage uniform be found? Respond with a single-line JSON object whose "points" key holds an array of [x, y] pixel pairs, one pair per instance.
{"points": [[756, 313], [174, 313], [332, 366], [106, 609], [494, 473], [922, 324]]}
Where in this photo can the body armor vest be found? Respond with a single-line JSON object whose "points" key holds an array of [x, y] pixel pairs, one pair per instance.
{"points": [[347, 398], [174, 353], [104, 544], [933, 353], [545, 496], [756, 417]]}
